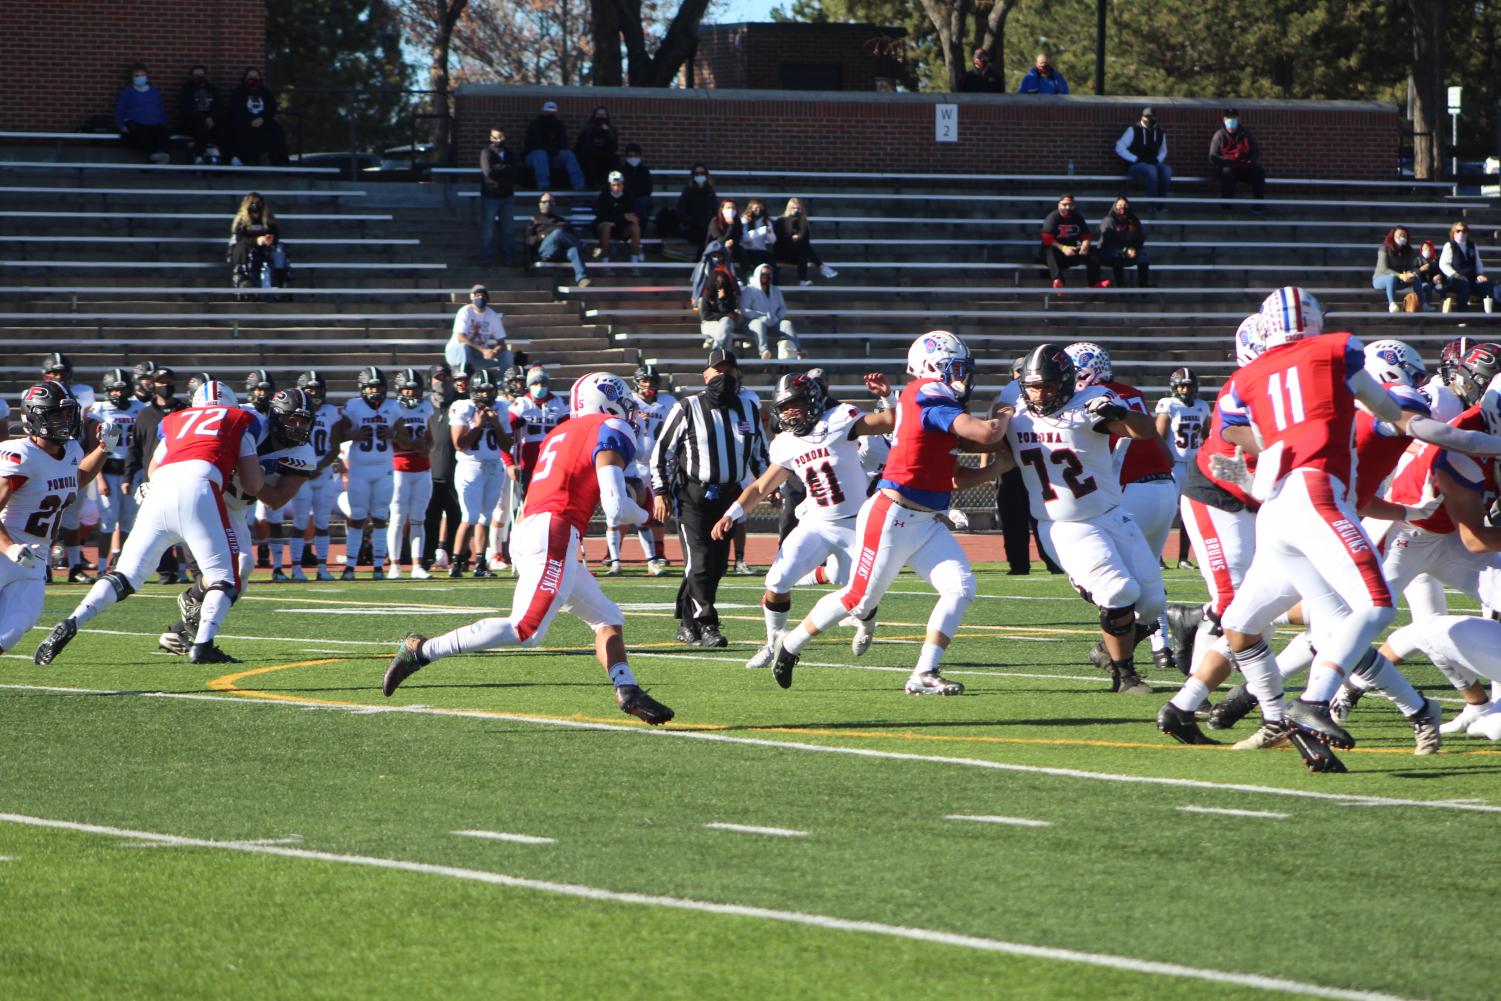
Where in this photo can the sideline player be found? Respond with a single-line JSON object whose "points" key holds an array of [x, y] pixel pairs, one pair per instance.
{"points": [[40, 474], [582, 465], [370, 423], [820, 448], [318, 495], [649, 417], [414, 475], [899, 524], [1182, 418], [479, 439], [531, 416], [200, 450], [116, 506]]}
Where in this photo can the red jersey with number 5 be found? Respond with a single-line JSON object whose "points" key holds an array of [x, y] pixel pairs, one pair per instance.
{"points": [[1145, 456], [1298, 396], [564, 482], [212, 434]]}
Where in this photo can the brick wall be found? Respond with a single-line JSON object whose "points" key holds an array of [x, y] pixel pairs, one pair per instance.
{"points": [[67, 60], [1012, 133], [752, 55]]}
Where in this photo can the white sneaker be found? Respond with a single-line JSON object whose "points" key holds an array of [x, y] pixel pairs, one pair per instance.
{"points": [[1393, 307], [763, 657], [743, 568], [234, 161], [865, 632], [499, 566], [1466, 716], [160, 158], [420, 574], [1488, 725], [613, 570], [806, 282], [394, 573], [298, 575], [656, 568], [932, 684], [440, 559], [828, 271]]}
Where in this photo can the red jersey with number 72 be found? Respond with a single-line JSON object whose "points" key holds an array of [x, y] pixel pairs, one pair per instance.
{"points": [[564, 482], [1298, 396], [212, 434]]}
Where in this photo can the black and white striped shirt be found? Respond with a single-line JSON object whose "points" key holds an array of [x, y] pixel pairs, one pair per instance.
{"points": [[708, 445]]}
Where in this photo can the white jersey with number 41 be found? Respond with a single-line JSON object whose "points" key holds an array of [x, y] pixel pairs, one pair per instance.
{"points": [[827, 460]]}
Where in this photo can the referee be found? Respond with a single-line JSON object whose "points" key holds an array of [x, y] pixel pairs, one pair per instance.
{"points": [[710, 446]]}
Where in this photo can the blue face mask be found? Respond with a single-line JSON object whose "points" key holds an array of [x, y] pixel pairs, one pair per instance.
{"points": [[700, 179], [1232, 124], [479, 302], [539, 392], [139, 80]]}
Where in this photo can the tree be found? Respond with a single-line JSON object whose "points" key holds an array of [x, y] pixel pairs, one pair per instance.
{"points": [[951, 20], [526, 42], [432, 23], [633, 24], [1429, 19]]}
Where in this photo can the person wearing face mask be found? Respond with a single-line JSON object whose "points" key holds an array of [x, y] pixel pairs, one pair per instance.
{"points": [[547, 149], [759, 238], [550, 237], [1236, 157], [765, 313], [479, 335], [983, 79], [1144, 148], [254, 132], [1430, 273], [200, 116], [615, 219], [1042, 78], [1397, 264], [1460, 263], [143, 439], [794, 243], [497, 186], [638, 183], [255, 248], [726, 230], [528, 420], [1122, 243], [696, 207], [141, 117], [1066, 241], [596, 148], [719, 311]]}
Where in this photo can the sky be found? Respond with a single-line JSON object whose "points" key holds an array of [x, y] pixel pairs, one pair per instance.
{"points": [[746, 10]]}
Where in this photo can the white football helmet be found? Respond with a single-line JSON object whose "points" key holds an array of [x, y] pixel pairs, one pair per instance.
{"points": [[1091, 363], [1248, 341], [941, 355], [1394, 361], [214, 394], [602, 393], [1290, 314]]}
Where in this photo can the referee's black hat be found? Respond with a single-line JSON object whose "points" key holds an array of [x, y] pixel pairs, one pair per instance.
{"points": [[719, 356]]}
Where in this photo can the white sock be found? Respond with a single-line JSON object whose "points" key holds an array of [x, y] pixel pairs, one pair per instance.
{"points": [[100, 596], [417, 540], [1204, 641], [796, 639], [320, 548], [356, 539], [1262, 678], [1191, 695], [393, 540], [215, 608], [929, 659], [828, 610], [481, 635], [1297, 655], [612, 543], [1390, 682], [775, 622], [1324, 680], [648, 543], [621, 674]]}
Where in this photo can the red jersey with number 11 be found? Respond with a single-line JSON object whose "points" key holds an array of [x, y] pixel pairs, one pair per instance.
{"points": [[212, 434], [564, 482]]}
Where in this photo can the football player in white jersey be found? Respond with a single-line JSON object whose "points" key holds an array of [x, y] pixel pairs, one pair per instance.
{"points": [[1182, 420], [651, 411], [317, 496], [1060, 439], [267, 523], [512, 388], [414, 474], [479, 437], [57, 367], [116, 505], [821, 449], [39, 475], [372, 424]]}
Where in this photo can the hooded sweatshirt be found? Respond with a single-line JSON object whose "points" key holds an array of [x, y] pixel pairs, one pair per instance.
{"points": [[759, 304]]}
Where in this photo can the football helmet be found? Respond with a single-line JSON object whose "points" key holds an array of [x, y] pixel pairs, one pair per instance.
{"points": [[461, 376], [1394, 361], [941, 355], [291, 416], [482, 388], [117, 386], [408, 388], [1249, 343], [49, 412], [1050, 371], [1091, 363], [1290, 314], [1449, 357], [796, 403], [58, 366], [213, 393], [196, 381], [372, 383], [259, 388], [314, 385], [140, 375], [515, 381], [821, 380], [602, 393], [1473, 375], [648, 382], [1184, 384]]}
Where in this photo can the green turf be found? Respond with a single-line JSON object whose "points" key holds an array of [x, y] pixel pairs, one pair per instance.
{"points": [[1373, 896]]}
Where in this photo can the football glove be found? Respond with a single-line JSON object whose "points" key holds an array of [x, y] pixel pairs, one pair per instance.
{"points": [[958, 519], [1231, 468], [111, 435], [141, 491], [1417, 512], [21, 554], [1105, 409]]}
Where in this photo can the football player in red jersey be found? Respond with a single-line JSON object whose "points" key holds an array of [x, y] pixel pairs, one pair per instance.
{"points": [[581, 465], [201, 449]]}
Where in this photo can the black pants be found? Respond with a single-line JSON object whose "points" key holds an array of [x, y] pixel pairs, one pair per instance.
{"points": [[445, 501], [250, 144], [1018, 527], [149, 139], [704, 559], [1252, 175], [793, 493], [1059, 262]]}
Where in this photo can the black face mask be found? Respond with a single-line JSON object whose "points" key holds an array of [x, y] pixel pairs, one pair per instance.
{"points": [[723, 389]]}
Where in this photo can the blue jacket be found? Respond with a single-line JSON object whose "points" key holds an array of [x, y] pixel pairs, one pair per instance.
{"points": [[143, 107], [1035, 83]]}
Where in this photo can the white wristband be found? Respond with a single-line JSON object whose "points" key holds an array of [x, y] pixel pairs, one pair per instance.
{"points": [[735, 512]]}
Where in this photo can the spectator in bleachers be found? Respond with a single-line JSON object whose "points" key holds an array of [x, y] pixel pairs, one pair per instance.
{"points": [[758, 238], [254, 132], [1066, 242], [1144, 148], [1042, 78], [726, 230], [550, 237], [638, 184], [696, 207], [256, 255], [714, 258], [616, 219], [596, 148], [141, 117], [1430, 272], [1460, 263], [765, 313], [200, 115], [1398, 267], [547, 149], [795, 242], [479, 335], [1236, 157], [983, 79], [1123, 243], [719, 311], [497, 187]]}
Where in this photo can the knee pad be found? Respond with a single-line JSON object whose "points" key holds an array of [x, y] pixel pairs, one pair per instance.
{"points": [[123, 587], [784, 605], [227, 587], [1118, 621]]}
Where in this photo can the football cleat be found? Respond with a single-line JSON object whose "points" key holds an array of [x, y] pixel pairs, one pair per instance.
{"points": [[762, 657], [1181, 726], [1233, 708], [1126, 681], [323, 574], [743, 568], [634, 701], [688, 633], [932, 683], [1271, 733], [348, 574], [1164, 659], [418, 573], [79, 574], [1316, 756], [173, 642], [62, 634], [394, 573], [710, 636], [378, 574], [407, 662], [209, 653], [656, 568], [1100, 659], [455, 571], [279, 577], [1344, 701], [1467, 716], [190, 607], [613, 569], [783, 662], [1487, 726], [298, 575], [1425, 728], [865, 634], [482, 570], [1313, 718]]}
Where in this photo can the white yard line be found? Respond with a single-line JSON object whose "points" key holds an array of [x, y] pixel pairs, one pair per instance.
{"points": [[1218, 812], [1341, 799], [776, 832], [1123, 963], [515, 839], [1007, 821]]}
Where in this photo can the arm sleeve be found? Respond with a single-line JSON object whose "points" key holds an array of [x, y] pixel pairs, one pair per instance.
{"points": [[615, 500], [1450, 437], [1162, 150], [1122, 146], [939, 408], [1446, 261], [1370, 392]]}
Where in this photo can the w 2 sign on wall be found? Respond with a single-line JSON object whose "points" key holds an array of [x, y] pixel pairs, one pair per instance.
{"points": [[946, 123]]}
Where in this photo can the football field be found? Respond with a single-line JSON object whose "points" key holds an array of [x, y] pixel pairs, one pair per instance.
{"points": [[499, 829]]}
